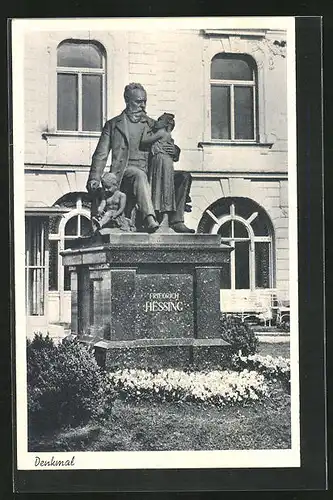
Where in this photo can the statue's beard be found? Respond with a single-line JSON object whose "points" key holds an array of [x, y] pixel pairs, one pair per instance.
{"points": [[135, 116]]}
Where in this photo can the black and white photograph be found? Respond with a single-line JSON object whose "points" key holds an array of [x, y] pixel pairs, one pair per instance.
{"points": [[156, 265]]}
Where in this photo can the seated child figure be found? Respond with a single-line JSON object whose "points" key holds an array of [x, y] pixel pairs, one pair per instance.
{"points": [[161, 172], [110, 210]]}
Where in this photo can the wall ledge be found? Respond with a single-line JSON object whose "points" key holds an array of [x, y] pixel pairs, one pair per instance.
{"points": [[223, 144]]}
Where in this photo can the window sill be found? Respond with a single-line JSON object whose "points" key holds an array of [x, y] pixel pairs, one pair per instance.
{"points": [[235, 32], [69, 133], [217, 143]]}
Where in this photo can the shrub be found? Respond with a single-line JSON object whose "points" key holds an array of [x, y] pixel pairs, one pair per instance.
{"points": [[65, 384], [285, 326], [239, 335]]}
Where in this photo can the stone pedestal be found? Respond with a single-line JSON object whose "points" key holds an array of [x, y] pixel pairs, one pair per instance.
{"points": [[147, 299]]}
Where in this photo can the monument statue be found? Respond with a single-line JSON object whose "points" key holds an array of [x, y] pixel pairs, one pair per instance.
{"points": [[156, 295], [111, 206], [161, 171], [129, 136]]}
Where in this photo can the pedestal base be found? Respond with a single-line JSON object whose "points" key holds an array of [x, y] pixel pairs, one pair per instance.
{"points": [[147, 299]]}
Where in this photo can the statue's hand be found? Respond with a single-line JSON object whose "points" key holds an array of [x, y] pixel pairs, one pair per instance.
{"points": [[169, 148], [92, 185]]}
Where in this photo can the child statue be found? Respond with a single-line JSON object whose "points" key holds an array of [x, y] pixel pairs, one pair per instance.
{"points": [[161, 172], [110, 210]]}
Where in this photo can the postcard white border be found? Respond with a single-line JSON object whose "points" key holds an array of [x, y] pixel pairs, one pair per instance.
{"points": [[152, 459]]}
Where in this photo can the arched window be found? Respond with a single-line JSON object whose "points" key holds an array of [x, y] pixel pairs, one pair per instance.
{"points": [[80, 86], [246, 227], [233, 98], [63, 230]]}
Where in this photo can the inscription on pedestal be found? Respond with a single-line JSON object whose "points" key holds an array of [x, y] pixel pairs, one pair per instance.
{"points": [[164, 305]]}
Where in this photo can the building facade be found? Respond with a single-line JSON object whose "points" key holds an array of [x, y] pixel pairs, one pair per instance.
{"points": [[228, 91]]}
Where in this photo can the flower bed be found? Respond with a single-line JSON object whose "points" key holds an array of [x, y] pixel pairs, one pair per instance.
{"points": [[217, 387], [273, 368]]}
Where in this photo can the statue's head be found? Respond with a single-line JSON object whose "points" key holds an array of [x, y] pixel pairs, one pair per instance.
{"points": [[109, 182], [167, 121], [136, 99]]}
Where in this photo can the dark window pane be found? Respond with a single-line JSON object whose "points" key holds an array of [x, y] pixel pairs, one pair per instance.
{"points": [[240, 230], [220, 112], [262, 264], [225, 276], [225, 68], [244, 207], [85, 226], [67, 102], [67, 279], [260, 226], [71, 228], [69, 243], [244, 123], [92, 102], [67, 274], [53, 265], [79, 55], [225, 230], [242, 270]]}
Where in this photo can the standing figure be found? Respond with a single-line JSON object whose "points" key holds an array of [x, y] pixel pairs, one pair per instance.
{"points": [[110, 210], [161, 171], [122, 136]]}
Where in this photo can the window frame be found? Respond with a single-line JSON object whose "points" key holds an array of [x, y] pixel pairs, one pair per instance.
{"points": [[35, 229], [60, 237], [253, 239], [231, 84], [80, 71]]}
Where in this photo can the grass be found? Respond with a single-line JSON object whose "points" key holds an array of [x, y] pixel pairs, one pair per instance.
{"points": [[180, 426], [274, 349], [144, 425]]}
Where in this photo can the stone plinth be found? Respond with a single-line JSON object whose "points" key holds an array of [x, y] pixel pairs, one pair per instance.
{"points": [[140, 297]]}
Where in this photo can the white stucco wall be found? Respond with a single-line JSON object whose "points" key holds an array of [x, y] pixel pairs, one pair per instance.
{"points": [[174, 68]]}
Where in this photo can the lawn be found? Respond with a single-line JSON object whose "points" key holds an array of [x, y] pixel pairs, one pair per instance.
{"points": [[274, 349], [141, 424], [144, 425]]}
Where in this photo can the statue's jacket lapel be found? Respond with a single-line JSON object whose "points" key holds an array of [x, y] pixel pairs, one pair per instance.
{"points": [[115, 137], [120, 145]]}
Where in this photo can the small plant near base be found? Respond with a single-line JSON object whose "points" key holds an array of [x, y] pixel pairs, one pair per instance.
{"points": [[65, 384], [285, 326], [239, 335]]}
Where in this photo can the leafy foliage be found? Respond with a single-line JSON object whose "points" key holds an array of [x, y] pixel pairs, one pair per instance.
{"points": [[65, 384], [239, 335]]}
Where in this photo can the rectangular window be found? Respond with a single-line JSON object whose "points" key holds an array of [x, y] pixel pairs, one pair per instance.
{"points": [[35, 266], [220, 112], [242, 265], [262, 264], [92, 102], [244, 126], [53, 265], [233, 97], [67, 274], [67, 101]]}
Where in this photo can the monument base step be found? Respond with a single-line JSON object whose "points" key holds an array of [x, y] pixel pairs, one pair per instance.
{"points": [[179, 353], [107, 236], [125, 344]]}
